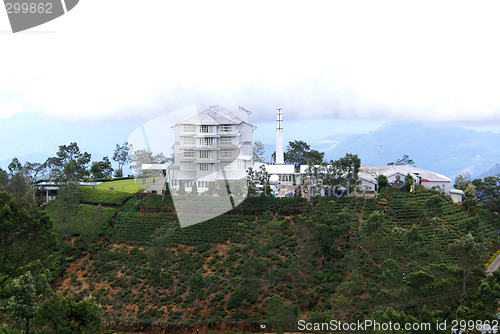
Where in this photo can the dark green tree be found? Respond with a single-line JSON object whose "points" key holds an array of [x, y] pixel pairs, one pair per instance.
{"points": [[60, 314], [409, 181], [469, 254], [70, 164], [102, 169], [121, 155], [488, 192], [25, 294], [382, 180], [25, 238], [300, 153], [405, 160]]}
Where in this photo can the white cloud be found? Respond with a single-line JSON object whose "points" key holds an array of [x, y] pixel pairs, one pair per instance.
{"points": [[356, 60]]}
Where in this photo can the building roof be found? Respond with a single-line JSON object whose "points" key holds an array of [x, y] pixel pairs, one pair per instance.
{"points": [[389, 170], [278, 169], [367, 177], [213, 115], [457, 191]]}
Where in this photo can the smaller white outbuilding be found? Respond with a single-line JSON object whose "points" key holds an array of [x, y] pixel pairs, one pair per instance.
{"points": [[456, 195]]}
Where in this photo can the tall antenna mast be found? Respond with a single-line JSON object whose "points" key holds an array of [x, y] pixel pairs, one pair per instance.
{"points": [[280, 160]]}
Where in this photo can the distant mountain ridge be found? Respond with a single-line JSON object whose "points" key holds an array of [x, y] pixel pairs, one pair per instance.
{"points": [[34, 137], [444, 149]]}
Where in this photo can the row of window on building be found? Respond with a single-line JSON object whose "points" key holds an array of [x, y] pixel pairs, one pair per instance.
{"points": [[189, 128], [208, 154], [240, 164], [189, 184], [207, 141]]}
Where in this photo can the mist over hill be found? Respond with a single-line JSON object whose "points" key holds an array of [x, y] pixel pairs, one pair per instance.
{"points": [[444, 149]]}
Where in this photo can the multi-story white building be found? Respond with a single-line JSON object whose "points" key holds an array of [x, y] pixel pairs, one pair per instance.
{"points": [[214, 145]]}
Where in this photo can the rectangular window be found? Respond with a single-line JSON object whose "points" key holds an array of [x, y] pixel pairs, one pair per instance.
{"points": [[202, 184], [225, 165], [189, 128], [206, 129], [225, 140], [226, 153], [189, 166], [188, 153], [204, 167], [225, 128], [188, 140], [205, 154], [206, 141], [241, 164]]}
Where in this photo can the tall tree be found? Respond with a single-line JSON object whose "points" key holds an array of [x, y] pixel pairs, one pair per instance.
{"points": [[25, 237], [121, 155], [488, 192], [258, 152], [142, 156], [469, 254], [101, 169], [60, 314], [300, 153], [70, 164], [405, 160], [25, 293]]}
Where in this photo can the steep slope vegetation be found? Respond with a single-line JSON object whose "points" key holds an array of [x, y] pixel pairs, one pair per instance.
{"points": [[274, 261]]}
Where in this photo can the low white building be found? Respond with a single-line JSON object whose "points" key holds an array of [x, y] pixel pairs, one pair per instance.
{"points": [[396, 176]]}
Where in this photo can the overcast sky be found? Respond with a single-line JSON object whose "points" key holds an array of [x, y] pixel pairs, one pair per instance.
{"points": [[349, 60]]}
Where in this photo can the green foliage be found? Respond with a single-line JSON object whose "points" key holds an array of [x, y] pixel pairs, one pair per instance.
{"points": [[25, 237], [382, 180], [375, 220], [469, 254], [434, 206], [90, 195], [60, 314], [70, 164], [300, 153], [121, 155], [280, 315], [258, 151]]}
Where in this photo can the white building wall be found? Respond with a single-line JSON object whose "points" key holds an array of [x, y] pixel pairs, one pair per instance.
{"points": [[443, 184]]}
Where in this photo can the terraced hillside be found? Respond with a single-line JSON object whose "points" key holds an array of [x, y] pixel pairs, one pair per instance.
{"points": [[274, 261]]}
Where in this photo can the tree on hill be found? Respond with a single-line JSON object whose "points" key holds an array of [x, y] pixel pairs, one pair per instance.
{"points": [[121, 155], [25, 237], [300, 153], [382, 181], [405, 160], [488, 192], [142, 156], [258, 152], [101, 169], [469, 254], [60, 314], [70, 164]]}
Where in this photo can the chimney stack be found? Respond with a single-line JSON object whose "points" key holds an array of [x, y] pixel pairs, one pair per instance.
{"points": [[279, 137]]}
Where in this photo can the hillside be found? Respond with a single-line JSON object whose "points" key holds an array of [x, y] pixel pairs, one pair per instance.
{"points": [[273, 261]]}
